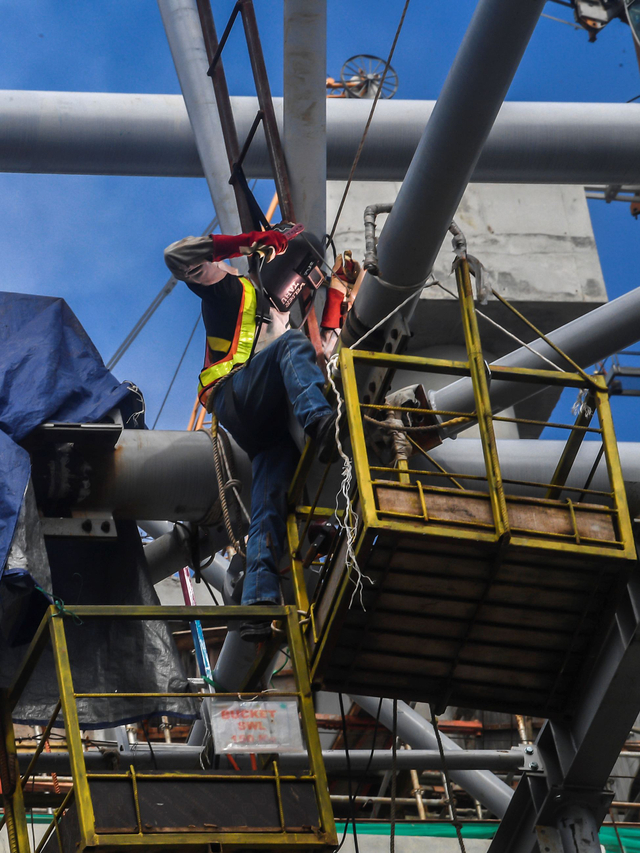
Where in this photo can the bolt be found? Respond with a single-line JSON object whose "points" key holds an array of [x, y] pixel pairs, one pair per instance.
{"points": [[533, 765], [87, 526], [528, 750]]}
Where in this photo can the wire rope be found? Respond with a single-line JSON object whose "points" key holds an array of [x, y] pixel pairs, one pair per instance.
{"points": [[177, 370], [352, 800], [394, 778], [447, 781], [368, 124]]}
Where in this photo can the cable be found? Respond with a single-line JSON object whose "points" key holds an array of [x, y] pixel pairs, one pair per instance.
{"points": [[368, 124], [177, 370], [506, 331], [211, 592], [394, 779], [562, 21], [150, 311], [350, 780], [145, 729], [447, 780]]}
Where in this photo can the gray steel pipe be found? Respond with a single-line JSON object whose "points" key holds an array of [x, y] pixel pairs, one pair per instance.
{"points": [[304, 136], [155, 474], [177, 756], [446, 157], [535, 460], [335, 760], [184, 33], [413, 729], [95, 133], [588, 339]]}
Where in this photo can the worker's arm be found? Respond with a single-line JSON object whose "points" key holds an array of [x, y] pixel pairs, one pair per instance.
{"points": [[345, 282], [197, 259]]}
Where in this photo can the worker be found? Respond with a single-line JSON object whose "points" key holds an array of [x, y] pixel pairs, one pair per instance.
{"points": [[248, 385]]}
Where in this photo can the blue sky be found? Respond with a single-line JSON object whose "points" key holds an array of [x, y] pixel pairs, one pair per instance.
{"points": [[98, 241]]}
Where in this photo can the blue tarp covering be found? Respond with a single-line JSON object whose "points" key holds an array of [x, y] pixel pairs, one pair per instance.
{"points": [[49, 371]]}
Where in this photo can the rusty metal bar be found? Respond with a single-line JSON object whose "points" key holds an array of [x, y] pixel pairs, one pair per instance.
{"points": [[223, 101], [265, 100]]}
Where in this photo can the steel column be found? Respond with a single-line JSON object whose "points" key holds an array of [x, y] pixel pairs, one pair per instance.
{"points": [[579, 753], [446, 156], [305, 109], [413, 729], [578, 830], [184, 33]]}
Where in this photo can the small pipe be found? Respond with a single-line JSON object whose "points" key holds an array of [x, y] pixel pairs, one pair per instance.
{"points": [[417, 790], [370, 246], [400, 801]]}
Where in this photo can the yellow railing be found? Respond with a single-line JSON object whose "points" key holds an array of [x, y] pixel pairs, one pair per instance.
{"points": [[52, 629]]}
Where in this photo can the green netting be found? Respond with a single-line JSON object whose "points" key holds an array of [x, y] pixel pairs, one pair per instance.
{"points": [[629, 837]]}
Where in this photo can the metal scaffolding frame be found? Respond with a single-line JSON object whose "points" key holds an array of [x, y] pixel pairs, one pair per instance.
{"points": [[561, 801]]}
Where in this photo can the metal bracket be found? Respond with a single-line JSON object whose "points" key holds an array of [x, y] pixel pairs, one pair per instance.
{"points": [[93, 527], [558, 798], [531, 759], [99, 436], [396, 338]]}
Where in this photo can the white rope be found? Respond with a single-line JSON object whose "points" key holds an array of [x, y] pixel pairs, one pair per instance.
{"points": [[348, 521], [138, 394]]}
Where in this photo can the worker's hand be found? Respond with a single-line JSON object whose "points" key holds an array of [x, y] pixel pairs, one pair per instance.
{"points": [[345, 268], [345, 279], [265, 243]]}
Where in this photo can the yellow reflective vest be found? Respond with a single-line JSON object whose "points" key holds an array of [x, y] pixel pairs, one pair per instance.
{"points": [[231, 346]]}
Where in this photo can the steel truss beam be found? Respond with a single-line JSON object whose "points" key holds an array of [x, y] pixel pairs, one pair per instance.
{"points": [[578, 754]]}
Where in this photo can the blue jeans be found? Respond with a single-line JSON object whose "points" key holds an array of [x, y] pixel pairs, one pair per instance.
{"points": [[252, 405]]}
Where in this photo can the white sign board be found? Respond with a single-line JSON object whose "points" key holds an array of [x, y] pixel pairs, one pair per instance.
{"points": [[256, 726]]}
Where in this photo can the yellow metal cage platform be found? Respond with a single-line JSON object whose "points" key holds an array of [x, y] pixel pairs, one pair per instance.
{"points": [[471, 596], [125, 809]]}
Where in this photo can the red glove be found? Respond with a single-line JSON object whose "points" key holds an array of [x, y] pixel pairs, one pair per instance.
{"points": [[230, 246], [332, 314]]}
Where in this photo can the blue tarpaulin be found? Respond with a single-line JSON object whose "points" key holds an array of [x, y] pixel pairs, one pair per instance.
{"points": [[49, 372]]}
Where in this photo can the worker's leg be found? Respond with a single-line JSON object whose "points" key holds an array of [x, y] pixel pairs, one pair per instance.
{"points": [[286, 369], [272, 471]]}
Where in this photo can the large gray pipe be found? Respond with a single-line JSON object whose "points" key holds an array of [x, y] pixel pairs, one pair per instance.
{"points": [[535, 460], [443, 164], [413, 729], [588, 339], [95, 133], [184, 33], [156, 474], [304, 135]]}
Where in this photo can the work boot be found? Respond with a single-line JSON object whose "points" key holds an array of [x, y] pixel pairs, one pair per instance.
{"points": [[324, 436], [257, 631]]}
